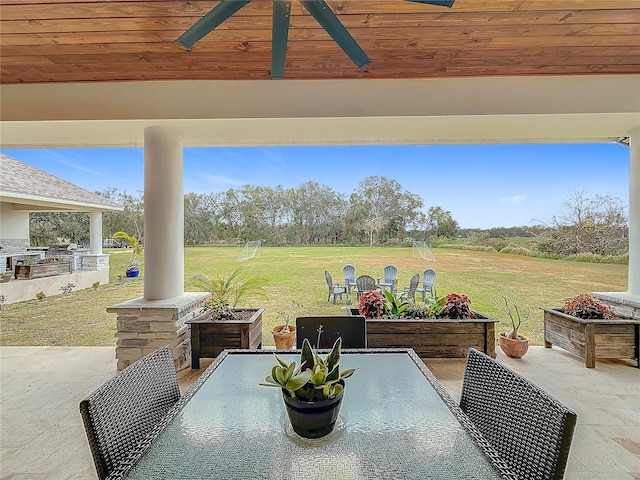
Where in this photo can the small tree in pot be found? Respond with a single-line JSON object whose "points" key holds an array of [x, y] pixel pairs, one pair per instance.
{"points": [[284, 335], [512, 343], [134, 267]]}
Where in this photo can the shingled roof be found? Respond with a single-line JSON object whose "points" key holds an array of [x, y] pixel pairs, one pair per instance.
{"points": [[25, 185]]}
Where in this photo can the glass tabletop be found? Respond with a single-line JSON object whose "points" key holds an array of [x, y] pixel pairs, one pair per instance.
{"points": [[393, 425]]}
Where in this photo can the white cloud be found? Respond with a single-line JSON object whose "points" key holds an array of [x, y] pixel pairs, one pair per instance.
{"points": [[80, 167], [521, 197]]}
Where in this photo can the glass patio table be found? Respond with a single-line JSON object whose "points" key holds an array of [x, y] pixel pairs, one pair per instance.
{"points": [[396, 422]]}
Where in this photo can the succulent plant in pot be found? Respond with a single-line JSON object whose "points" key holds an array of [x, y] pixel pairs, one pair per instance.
{"points": [[512, 343], [313, 390]]}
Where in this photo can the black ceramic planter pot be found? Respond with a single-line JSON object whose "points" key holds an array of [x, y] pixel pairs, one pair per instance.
{"points": [[313, 419]]}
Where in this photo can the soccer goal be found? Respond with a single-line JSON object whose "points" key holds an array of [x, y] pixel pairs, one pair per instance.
{"points": [[250, 250], [423, 250]]}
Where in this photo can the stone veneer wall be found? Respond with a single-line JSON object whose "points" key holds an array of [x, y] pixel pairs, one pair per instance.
{"points": [[146, 325], [95, 262]]}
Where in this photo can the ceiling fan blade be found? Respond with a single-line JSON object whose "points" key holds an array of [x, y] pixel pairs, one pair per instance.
{"points": [[328, 20], [211, 20], [439, 3], [279, 37]]}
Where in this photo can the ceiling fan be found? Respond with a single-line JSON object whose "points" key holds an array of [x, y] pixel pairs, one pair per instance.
{"points": [[280, 28]]}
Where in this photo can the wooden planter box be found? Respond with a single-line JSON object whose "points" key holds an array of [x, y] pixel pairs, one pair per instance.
{"points": [[592, 339], [433, 338], [42, 270], [209, 338]]}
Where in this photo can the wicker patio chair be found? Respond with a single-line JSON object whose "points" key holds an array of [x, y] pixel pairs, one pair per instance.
{"points": [[334, 288], [428, 280], [530, 429], [119, 414], [352, 329]]}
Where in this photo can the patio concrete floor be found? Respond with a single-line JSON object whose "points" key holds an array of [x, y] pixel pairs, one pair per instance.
{"points": [[42, 437]]}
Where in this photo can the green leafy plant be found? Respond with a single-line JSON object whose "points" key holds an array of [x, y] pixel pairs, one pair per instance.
{"points": [[588, 307], [287, 315], [456, 305], [315, 378], [394, 306], [41, 296], [435, 304], [371, 304], [510, 306], [228, 291], [95, 285], [135, 244]]}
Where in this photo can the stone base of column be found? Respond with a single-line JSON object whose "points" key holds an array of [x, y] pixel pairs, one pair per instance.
{"points": [[623, 303], [94, 262], [146, 325]]}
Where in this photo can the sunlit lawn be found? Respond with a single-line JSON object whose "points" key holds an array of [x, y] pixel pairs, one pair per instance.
{"points": [[297, 273]]}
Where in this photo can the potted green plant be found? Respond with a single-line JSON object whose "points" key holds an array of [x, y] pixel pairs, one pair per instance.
{"points": [[220, 323], [284, 334], [133, 270], [512, 343], [313, 390], [226, 292]]}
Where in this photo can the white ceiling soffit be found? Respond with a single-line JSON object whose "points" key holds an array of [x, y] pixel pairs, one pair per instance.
{"points": [[309, 112], [44, 205]]}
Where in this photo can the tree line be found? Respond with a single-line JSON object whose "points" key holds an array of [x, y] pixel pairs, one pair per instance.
{"points": [[378, 212]]}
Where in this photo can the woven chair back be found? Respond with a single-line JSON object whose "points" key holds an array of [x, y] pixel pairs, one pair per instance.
{"points": [[529, 429], [119, 414]]}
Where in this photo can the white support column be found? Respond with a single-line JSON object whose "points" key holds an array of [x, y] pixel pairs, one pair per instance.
{"points": [[163, 214], [634, 212], [95, 233]]}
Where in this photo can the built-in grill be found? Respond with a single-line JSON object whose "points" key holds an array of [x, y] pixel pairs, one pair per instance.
{"points": [[68, 252]]}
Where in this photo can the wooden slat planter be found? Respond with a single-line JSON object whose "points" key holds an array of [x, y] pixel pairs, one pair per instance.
{"points": [[594, 338], [42, 270], [433, 338], [209, 338]]}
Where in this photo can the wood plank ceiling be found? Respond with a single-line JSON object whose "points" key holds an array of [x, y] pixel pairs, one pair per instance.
{"points": [[120, 40]]}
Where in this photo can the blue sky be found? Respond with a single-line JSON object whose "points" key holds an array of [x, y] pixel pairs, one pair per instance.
{"points": [[483, 186]]}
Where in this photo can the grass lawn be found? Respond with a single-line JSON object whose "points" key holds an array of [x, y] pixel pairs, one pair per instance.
{"points": [[297, 273]]}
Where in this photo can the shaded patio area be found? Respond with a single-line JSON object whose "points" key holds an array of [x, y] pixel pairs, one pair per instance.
{"points": [[41, 432]]}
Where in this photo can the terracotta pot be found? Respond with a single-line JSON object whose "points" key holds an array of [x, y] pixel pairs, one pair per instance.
{"points": [[284, 341], [511, 347], [313, 419]]}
